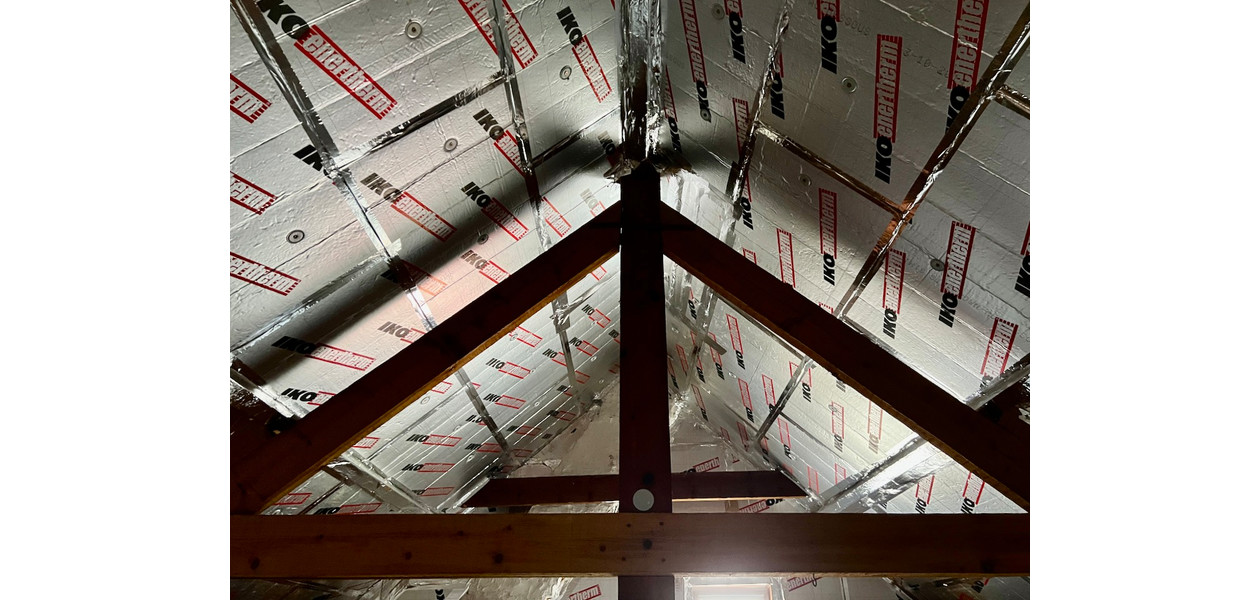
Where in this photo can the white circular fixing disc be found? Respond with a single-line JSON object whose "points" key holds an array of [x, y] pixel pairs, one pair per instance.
{"points": [[643, 500]]}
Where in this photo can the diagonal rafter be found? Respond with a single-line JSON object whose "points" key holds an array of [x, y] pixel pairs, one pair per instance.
{"points": [[284, 462], [1004, 409], [912, 462], [646, 546], [853, 544], [993, 453]]}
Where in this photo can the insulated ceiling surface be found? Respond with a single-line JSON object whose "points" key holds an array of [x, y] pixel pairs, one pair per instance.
{"points": [[829, 438], [351, 589], [969, 237], [440, 444], [829, 108], [377, 144]]}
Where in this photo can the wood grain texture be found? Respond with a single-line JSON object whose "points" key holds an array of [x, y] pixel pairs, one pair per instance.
{"points": [[643, 445], [997, 456], [533, 545], [284, 462]]}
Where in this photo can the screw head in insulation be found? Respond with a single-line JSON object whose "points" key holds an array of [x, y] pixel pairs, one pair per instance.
{"points": [[450, 145], [565, 72], [296, 236], [414, 29], [849, 84]]}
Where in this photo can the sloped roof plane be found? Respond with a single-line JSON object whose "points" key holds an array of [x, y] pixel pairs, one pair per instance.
{"points": [[449, 216]]}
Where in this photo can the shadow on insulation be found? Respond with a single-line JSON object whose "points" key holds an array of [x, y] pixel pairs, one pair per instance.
{"points": [[346, 300]]}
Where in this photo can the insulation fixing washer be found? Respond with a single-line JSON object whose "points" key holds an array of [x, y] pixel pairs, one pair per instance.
{"points": [[849, 84], [414, 29], [450, 145], [296, 236], [718, 11], [483, 238], [938, 264], [643, 500], [565, 72], [804, 179]]}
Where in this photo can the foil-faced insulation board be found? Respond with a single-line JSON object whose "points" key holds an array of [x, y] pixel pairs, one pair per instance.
{"points": [[368, 132], [375, 132]]}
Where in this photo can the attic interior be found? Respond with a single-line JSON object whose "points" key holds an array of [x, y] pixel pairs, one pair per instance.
{"points": [[445, 213]]}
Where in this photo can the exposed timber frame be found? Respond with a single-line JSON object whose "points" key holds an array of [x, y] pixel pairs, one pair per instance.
{"points": [[976, 544], [577, 489], [644, 481], [992, 452], [652, 546], [285, 461], [645, 544]]}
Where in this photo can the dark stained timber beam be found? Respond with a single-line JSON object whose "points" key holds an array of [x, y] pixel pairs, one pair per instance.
{"points": [[724, 485], [530, 491], [634, 544], [735, 485], [285, 461], [994, 454], [253, 423], [658, 587], [643, 448], [1004, 409]]}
